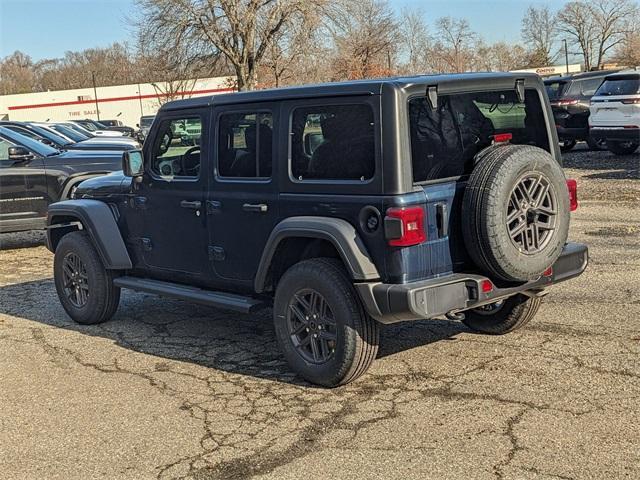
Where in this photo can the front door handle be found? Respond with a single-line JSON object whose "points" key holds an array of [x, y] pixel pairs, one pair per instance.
{"points": [[196, 205], [255, 207]]}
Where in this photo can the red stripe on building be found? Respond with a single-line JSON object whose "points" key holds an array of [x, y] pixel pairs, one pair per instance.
{"points": [[119, 99]]}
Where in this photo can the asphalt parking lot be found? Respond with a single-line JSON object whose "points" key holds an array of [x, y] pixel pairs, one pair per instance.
{"points": [[172, 390]]}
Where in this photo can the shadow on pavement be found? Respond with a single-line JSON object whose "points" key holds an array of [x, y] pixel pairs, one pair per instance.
{"points": [[176, 330]]}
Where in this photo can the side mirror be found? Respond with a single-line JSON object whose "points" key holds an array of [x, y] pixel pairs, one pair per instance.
{"points": [[137, 125], [133, 164], [19, 154]]}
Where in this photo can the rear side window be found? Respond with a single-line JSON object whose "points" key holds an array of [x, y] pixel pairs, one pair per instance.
{"points": [[620, 86], [555, 89], [245, 145], [589, 87], [334, 142], [445, 141]]}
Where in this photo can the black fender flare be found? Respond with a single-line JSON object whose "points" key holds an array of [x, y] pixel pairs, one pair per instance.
{"points": [[97, 219], [339, 232]]}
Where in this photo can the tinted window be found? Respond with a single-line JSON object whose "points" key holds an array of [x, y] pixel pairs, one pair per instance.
{"points": [[555, 89], [590, 86], [444, 142], [621, 86], [245, 145], [177, 148], [333, 142]]}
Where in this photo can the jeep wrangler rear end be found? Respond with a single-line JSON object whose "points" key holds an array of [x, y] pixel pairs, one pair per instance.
{"points": [[345, 206]]}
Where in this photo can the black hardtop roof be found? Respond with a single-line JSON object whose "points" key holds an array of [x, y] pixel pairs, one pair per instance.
{"points": [[353, 87]]}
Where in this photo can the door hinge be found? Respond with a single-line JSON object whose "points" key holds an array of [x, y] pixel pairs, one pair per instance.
{"points": [[147, 246], [216, 253]]}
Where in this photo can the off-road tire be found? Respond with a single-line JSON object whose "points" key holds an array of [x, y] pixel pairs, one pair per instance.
{"points": [[622, 148], [515, 313], [103, 297], [484, 212], [357, 334], [596, 145], [567, 145]]}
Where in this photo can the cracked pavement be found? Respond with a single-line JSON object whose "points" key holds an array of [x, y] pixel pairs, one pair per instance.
{"points": [[172, 390]]}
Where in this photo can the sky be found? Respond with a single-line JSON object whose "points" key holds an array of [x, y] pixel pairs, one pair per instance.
{"points": [[48, 28]]}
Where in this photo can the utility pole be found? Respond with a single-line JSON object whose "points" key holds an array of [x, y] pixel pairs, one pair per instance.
{"points": [[140, 99], [95, 94], [566, 54]]}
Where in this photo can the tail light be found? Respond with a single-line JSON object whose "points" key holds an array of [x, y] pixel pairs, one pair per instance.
{"points": [[572, 186], [631, 101], [564, 103], [502, 137], [405, 226]]}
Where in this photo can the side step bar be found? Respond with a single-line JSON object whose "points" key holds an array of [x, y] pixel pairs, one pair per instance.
{"points": [[229, 301]]}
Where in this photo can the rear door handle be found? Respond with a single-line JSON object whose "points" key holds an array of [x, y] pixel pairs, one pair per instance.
{"points": [[255, 207], [196, 205]]}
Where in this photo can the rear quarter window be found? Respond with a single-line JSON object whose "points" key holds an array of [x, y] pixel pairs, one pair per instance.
{"points": [[445, 141]]}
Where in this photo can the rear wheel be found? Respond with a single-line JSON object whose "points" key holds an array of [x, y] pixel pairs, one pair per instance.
{"points": [[622, 148], [503, 316], [84, 286], [566, 145], [320, 324]]}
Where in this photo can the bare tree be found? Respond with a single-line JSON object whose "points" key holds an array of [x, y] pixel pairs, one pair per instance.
{"points": [[241, 31], [365, 38], [628, 51], [415, 41], [539, 33], [597, 26], [17, 74], [454, 49]]}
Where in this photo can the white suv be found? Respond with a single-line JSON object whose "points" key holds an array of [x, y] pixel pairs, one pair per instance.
{"points": [[615, 112]]}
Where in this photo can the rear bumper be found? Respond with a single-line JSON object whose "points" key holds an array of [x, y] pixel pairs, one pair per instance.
{"points": [[391, 303], [616, 133]]}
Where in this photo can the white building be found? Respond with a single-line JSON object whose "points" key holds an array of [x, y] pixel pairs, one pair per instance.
{"points": [[122, 102], [554, 70]]}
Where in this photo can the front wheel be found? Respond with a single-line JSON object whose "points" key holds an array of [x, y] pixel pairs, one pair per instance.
{"points": [[503, 316], [622, 148], [320, 324], [84, 286]]}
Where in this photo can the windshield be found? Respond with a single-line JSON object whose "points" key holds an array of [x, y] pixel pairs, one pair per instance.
{"points": [[33, 145], [89, 126], [49, 135], [620, 86], [555, 89], [70, 133], [80, 129], [445, 141]]}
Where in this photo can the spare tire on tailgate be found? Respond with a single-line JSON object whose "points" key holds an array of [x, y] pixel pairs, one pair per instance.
{"points": [[515, 212]]}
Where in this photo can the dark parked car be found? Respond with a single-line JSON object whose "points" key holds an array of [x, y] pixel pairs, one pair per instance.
{"points": [[34, 175], [61, 142], [570, 98], [145, 125], [344, 206], [93, 125]]}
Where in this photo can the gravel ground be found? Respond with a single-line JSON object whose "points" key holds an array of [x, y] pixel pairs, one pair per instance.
{"points": [[172, 390]]}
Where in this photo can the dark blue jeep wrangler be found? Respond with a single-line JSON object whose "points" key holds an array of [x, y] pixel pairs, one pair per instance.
{"points": [[344, 206]]}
